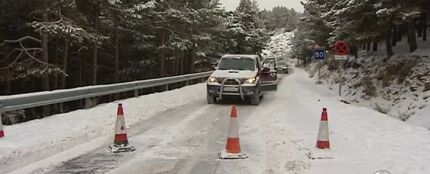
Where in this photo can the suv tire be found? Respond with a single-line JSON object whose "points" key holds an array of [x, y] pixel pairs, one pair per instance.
{"points": [[255, 99], [210, 99]]}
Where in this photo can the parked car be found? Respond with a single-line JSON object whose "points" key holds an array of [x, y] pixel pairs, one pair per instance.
{"points": [[241, 76], [282, 67]]}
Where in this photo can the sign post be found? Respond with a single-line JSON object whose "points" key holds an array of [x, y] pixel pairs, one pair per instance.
{"points": [[319, 56], [342, 51]]}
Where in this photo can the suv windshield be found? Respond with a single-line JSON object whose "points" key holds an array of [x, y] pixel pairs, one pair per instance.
{"points": [[236, 63]]}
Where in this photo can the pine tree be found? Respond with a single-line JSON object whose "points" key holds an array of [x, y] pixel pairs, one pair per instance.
{"points": [[242, 31]]}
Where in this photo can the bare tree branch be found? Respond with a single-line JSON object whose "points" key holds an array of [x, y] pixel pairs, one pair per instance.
{"points": [[23, 50], [39, 61], [20, 40]]}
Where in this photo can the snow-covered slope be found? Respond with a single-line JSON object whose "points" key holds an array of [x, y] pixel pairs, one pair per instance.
{"points": [[399, 86], [279, 46]]}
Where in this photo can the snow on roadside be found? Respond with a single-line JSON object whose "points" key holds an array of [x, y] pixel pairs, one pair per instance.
{"points": [[362, 140], [399, 86], [371, 82], [282, 129], [31, 141], [279, 132]]}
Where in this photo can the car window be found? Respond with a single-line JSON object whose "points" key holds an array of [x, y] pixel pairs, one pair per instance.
{"points": [[281, 64], [269, 64], [236, 63]]}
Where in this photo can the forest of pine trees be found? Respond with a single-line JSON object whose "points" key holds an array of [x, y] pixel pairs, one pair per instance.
{"points": [[50, 44], [280, 17], [362, 23], [59, 44]]}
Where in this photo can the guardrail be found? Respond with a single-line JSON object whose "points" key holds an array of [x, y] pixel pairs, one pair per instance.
{"points": [[31, 100]]}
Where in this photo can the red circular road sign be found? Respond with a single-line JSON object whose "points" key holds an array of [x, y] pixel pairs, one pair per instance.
{"points": [[341, 48]]}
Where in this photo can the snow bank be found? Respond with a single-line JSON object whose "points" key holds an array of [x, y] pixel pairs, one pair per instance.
{"points": [[362, 140], [31, 141], [398, 86]]}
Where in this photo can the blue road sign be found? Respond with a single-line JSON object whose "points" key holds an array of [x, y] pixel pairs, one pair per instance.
{"points": [[319, 54]]}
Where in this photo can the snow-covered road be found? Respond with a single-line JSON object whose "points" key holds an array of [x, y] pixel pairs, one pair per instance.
{"points": [[186, 137]]}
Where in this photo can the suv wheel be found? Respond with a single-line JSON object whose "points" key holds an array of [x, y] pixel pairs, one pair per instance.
{"points": [[211, 100], [255, 100]]}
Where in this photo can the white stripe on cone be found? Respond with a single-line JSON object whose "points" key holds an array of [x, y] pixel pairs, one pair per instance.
{"points": [[233, 131], [323, 131], [120, 125]]}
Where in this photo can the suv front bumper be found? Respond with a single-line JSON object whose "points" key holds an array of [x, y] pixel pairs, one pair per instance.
{"points": [[220, 90], [227, 89], [215, 91]]}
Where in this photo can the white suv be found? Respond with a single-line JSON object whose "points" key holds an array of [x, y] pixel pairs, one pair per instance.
{"points": [[242, 76]]}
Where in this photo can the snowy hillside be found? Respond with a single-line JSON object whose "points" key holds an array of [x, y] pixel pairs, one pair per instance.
{"points": [[279, 46], [399, 86]]}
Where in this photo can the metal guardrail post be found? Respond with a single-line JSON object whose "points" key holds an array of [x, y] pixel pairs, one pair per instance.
{"points": [[1, 110], [88, 103], [166, 87], [136, 93], [187, 83], [61, 107]]}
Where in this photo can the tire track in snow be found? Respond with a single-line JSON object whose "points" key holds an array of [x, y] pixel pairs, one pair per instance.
{"points": [[101, 161], [195, 150], [277, 151]]}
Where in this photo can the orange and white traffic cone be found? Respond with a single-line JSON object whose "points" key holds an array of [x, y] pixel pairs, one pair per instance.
{"points": [[120, 143], [1, 128], [323, 141], [232, 148]]}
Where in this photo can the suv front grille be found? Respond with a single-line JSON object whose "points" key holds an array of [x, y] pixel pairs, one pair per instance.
{"points": [[231, 81]]}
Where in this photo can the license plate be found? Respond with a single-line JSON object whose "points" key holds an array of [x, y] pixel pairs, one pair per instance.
{"points": [[231, 89]]}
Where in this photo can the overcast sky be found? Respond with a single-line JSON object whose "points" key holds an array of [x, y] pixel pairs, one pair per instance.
{"points": [[266, 4]]}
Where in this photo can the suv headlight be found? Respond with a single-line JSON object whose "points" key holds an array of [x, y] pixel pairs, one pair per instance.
{"points": [[250, 81], [212, 80]]}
